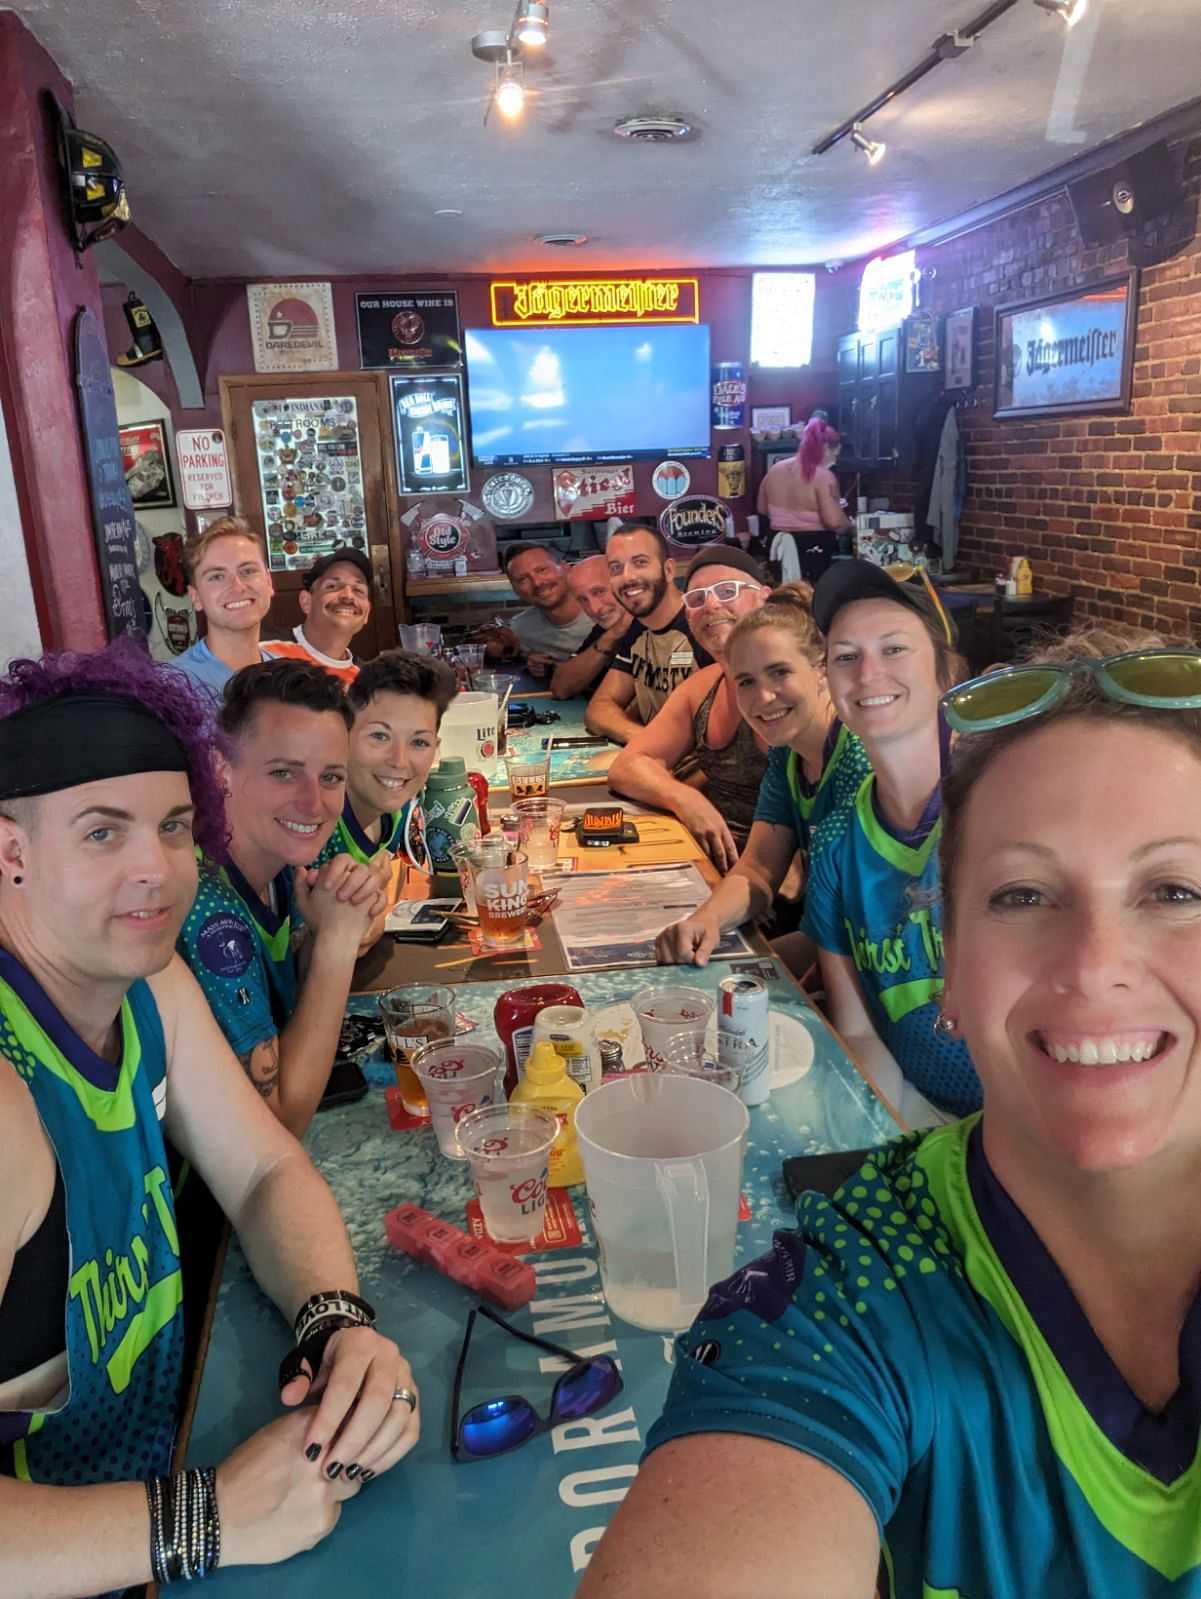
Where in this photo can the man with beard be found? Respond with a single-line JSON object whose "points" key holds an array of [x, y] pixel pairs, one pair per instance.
{"points": [[552, 627], [336, 604], [657, 652], [588, 580]]}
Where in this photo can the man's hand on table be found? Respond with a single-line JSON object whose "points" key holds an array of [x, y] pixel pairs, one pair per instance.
{"points": [[688, 943], [356, 1424], [707, 825], [539, 665]]}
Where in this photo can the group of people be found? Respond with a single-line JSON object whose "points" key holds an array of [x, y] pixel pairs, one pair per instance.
{"points": [[970, 1370]]}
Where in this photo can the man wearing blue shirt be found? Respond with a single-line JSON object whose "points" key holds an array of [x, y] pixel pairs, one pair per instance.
{"points": [[230, 587]]}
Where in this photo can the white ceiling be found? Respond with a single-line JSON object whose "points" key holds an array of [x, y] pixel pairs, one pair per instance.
{"points": [[315, 137]]}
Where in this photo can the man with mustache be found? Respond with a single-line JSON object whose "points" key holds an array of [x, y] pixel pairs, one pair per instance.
{"points": [[588, 580], [336, 604], [657, 652]]}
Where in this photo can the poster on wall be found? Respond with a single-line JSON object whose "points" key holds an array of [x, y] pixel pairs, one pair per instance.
{"points": [[427, 414], [292, 327], [147, 463], [310, 478], [112, 512], [695, 520], [588, 493], [1068, 352], [409, 330], [204, 482], [959, 345]]}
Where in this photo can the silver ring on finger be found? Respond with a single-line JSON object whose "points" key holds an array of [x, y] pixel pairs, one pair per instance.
{"points": [[408, 1397]]}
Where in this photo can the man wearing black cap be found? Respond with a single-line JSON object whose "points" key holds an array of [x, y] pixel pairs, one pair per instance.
{"points": [[701, 718], [336, 604]]}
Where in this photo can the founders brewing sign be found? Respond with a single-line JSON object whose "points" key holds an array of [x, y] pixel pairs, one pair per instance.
{"points": [[112, 509], [694, 520]]}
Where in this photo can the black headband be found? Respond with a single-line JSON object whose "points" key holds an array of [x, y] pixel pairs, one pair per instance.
{"points": [[82, 738]]}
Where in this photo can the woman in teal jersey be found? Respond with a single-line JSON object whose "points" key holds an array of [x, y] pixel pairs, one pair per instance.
{"points": [[813, 773], [974, 1370], [107, 1050]]}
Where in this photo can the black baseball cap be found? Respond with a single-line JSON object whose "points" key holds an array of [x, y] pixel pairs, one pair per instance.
{"points": [[847, 581], [344, 552], [726, 555]]}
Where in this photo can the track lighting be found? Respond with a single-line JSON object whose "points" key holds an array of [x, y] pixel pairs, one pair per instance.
{"points": [[509, 93], [873, 149], [1070, 11], [530, 23]]}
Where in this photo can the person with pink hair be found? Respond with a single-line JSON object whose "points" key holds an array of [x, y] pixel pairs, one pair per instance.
{"points": [[800, 497]]}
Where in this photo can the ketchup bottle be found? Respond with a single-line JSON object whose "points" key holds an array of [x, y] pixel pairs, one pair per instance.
{"points": [[480, 784], [514, 1020]]}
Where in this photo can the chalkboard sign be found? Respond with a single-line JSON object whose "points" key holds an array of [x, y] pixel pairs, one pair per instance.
{"points": [[112, 509]]}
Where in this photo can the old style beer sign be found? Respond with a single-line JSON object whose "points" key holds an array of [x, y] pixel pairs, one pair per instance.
{"points": [[204, 483], [694, 520], [587, 302]]}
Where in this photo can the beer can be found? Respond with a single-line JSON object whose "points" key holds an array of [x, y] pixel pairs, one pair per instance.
{"points": [[731, 471], [743, 1035], [728, 394]]}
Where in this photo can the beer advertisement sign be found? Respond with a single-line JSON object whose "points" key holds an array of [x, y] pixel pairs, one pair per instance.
{"points": [[428, 418], [1072, 352], [409, 331]]}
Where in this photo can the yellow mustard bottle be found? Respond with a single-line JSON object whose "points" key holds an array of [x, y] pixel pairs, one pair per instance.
{"points": [[545, 1081], [1023, 577]]}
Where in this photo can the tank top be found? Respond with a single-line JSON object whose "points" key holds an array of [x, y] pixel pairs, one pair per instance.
{"points": [[123, 1309], [400, 833], [732, 774]]}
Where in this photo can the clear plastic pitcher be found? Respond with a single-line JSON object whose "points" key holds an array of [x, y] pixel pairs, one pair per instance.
{"points": [[663, 1163]]}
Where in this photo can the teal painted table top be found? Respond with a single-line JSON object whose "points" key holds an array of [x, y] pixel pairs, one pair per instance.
{"points": [[582, 765], [522, 1526]]}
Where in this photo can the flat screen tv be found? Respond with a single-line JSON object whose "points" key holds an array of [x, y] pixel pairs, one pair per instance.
{"points": [[538, 395]]}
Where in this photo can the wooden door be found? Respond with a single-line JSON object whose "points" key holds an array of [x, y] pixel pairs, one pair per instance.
{"points": [[328, 483], [888, 396]]}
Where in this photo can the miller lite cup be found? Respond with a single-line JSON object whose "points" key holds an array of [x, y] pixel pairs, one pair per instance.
{"points": [[743, 1035]]}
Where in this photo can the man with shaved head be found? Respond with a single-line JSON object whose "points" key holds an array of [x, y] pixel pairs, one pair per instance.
{"points": [[588, 580]]}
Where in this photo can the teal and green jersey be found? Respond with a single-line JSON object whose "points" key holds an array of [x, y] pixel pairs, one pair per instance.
{"points": [[240, 951], [401, 833], [875, 898], [820, 812], [915, 1335], [123, 1294]]}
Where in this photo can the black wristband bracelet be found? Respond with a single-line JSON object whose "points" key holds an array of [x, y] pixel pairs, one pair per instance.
{"points": [[331, 1302]]}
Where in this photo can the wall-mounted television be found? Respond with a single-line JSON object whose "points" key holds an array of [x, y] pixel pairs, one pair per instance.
{"points": [[615, 393]]}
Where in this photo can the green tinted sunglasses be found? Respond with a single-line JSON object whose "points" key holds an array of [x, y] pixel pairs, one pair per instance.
{"points": [[1162, 680]]}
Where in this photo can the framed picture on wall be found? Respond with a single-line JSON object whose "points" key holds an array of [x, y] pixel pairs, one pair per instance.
{"points": [[1070, 352], [959, 349], [431, 442], [770, 416], [147, 463]]}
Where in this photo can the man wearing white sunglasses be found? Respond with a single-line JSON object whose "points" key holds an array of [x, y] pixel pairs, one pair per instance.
{"points": [[701, 718]]}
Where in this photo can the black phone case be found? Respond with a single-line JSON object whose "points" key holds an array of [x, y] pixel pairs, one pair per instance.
{"points": [[346, 1084]]}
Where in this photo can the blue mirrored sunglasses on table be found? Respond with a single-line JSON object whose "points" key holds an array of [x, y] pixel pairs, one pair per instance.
{"points": [[1160, 680], [495, 1426]]}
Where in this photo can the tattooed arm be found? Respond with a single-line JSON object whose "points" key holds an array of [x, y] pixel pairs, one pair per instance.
{"points": [[261, 1065]]}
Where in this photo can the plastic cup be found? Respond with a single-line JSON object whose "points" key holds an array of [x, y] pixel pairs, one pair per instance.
{"points": [[502, 896], [424, 638], [541, 821], [458, 1079], [509, 1150], [666, 1014], [528, 779], [414, 1016], [680, 1055]]}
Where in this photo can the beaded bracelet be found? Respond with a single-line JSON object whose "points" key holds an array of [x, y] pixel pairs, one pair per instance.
{"points": [[185, 1526]]}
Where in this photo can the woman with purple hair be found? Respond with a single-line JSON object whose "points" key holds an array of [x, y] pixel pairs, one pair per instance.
{"points": [[799, 497], [108, 1049]]}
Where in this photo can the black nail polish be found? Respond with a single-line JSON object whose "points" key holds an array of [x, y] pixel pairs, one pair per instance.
{"points": [[334, 1469], [312, 1451], [367, 1476], [352, 1472]]}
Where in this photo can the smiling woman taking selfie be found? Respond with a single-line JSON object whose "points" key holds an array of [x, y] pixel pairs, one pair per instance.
{"points": [[974, 1371]]}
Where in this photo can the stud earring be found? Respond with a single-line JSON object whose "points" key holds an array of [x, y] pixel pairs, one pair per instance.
{"points": [[944, 1025], [17, 881]]}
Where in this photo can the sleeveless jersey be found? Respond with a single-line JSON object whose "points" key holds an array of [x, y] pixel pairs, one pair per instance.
{"points": [[401, 833], [124, 1294]]}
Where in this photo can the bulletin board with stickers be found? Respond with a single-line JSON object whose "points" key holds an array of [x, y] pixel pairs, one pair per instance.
{"points": [[310, 473]]}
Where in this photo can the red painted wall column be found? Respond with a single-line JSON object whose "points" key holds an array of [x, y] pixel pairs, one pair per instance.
{"points": [[41, 289]]}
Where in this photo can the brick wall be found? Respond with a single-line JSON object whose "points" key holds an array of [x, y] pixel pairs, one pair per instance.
{"points": [[1109, 507]]}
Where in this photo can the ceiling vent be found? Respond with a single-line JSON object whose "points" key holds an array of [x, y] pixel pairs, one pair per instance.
{"points": [[562, 241], [652, 130]]}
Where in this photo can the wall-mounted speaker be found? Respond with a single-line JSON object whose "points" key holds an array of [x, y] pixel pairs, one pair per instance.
{"points": [[1117, 201]]}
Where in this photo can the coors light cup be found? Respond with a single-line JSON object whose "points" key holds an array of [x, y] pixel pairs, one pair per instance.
{"points": [[509, 1150], [672, 1019], [458, 1078]]}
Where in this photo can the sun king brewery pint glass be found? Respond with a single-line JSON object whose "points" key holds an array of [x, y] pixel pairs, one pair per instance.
{"points": [[743, 1031]]}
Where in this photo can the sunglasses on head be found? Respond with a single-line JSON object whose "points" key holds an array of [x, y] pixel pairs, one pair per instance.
{"points": [[1161, 680], [497, 1425], [725, 591]]}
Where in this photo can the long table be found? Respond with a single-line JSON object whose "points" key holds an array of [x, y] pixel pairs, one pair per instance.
{"points": [[571, 767], [522, 1526]]}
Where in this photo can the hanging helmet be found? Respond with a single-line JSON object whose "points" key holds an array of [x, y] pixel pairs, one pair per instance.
{"points": [[97, 206]]}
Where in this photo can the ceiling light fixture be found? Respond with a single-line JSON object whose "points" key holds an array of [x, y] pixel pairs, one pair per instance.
{"points": [[1070, 11], [509, 93], [873, 149], [530, 23]]}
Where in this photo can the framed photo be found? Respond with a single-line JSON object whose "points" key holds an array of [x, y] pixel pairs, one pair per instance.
{"points": [[146, 459], [959, 349], [428, 417], [922, 352], [764, 417], [1070, 352]]}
